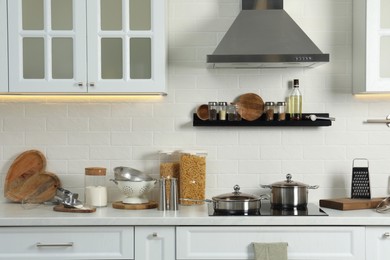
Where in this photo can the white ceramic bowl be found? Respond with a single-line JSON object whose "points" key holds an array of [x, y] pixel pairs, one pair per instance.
{"points": [[135, 191]]}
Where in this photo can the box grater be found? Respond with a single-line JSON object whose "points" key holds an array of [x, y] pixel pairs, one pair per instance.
{"points": [[360, 188]]}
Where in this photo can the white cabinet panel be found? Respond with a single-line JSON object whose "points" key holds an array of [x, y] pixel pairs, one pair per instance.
{"points": [[66, 243], [371, 51], [377, 243], [304, 243], [41, 50], [155, 243], [3, 47]]}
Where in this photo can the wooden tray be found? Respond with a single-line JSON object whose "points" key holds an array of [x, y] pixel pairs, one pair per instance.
{"points": [[120, 205], [27, 180], [62, 208], [350, 204]]}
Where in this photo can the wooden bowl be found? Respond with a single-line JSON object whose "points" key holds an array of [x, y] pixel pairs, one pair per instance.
{"points": [[203, 112]]}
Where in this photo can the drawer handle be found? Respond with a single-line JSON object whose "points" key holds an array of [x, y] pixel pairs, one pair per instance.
{"points": [[386, 235], [155, 235], [80, 84], [70, 244]]}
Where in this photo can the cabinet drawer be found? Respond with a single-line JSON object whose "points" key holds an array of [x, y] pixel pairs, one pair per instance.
{"points": [[67, 243], [303, 242]]}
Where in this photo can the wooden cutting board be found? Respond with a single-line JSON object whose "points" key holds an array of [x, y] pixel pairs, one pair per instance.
{"points": [[28, 181], [62, 208], [251, 106], [120, 205], [350, 204]]}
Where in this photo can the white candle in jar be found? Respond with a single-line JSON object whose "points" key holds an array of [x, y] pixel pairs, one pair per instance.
{"points": [[96, 196]]}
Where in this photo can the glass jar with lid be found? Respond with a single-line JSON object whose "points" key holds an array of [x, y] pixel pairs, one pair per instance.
{"points": [[192, 181], [169, 168], [269, 110], [281, 110], [213, 111], [95, 187]]}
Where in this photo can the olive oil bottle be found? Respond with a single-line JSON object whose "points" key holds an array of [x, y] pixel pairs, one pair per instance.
{"points": [[295, 102]]}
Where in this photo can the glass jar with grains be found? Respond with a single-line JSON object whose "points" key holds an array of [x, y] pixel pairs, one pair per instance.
{"points": [[192, 181], [281, 110]]}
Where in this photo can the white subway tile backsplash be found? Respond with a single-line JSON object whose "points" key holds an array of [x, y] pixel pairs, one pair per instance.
{"points": [[21, 124], [74, 152], [105, 152], [46, 138], [110, 124], [137, 138], [88, 138], [67, 124]]}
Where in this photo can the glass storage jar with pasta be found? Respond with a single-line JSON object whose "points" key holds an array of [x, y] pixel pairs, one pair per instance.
{"points": [[192, 181]]}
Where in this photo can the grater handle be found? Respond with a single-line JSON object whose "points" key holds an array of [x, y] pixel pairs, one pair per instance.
{"points": [[360, 159]]}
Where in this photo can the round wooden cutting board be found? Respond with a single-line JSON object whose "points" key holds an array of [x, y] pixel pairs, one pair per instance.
{"points": [[120, 205], [251, 106]]}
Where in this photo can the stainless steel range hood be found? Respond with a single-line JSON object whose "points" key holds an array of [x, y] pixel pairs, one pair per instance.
{"points": [[265, 36]]}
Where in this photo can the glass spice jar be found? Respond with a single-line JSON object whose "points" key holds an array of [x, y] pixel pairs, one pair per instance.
{"points": [[269, 110], [233, 112], [281, 110], [222, 106], [213, 111]]}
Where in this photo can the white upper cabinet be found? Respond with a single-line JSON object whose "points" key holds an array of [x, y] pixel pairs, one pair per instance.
{"points": [[87, 46], [3, 47], [371, 46]]}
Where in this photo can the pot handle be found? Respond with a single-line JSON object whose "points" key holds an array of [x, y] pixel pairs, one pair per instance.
{"points": [[266, 186], [205, 200], [313, 187], [265, 197]]}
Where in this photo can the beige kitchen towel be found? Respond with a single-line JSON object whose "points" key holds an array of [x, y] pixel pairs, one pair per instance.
{"points": [[270, 251]]}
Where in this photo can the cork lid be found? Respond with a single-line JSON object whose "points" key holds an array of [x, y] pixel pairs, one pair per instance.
{"points": [[95, 171]]}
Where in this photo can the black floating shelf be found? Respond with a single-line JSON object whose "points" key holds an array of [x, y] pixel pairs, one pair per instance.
{"points": [[262, 122]]}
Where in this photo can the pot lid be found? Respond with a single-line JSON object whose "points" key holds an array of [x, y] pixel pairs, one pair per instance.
{"points": [[236, 195], [288, 183]]}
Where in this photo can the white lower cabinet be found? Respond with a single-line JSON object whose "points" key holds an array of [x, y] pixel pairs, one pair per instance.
{"points": [[377, 243], [304, 243], [67, 243], [154, 243]]}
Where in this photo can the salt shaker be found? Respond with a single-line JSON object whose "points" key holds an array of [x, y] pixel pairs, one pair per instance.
{"points": [[95, 187]]}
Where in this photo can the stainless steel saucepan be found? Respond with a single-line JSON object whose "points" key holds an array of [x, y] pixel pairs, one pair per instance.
{"points": [[235, 203], [289, 194]]}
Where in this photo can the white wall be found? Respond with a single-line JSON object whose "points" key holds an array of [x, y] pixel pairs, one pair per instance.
{"points": [[76, 133]]}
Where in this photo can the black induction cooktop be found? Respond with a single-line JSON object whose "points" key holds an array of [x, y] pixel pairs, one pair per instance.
{"points": [[267, 210]]}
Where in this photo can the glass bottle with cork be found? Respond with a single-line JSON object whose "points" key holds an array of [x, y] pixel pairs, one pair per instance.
{"points": [[295, 102]]}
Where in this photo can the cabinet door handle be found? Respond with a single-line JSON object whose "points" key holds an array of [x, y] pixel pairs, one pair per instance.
{"points": [[80, 84], [69, 244], [92, 84], [386, 235], [154, 235]]}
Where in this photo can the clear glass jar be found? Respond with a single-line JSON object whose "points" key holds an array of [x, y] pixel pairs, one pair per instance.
{"points": [[269, 110], [233, 113], [95, 187], [281, 110], [213, 111], [222, 106], [169, 168], [192, 182]]}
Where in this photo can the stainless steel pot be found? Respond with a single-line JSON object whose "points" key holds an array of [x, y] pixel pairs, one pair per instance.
{"points": [[289, 194], [235, 203]]}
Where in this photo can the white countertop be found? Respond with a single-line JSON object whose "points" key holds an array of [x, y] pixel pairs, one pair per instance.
{"points": [[43, 215]]}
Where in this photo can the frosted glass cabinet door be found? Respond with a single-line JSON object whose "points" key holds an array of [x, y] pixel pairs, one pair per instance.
{"points": [[47, 43], [3, 47], [371, 50], [126, 46]]}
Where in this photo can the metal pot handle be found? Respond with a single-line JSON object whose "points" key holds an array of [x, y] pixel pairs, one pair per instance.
{"points": [[205, 200], [266, 186], [313, 187], [265, 197]]}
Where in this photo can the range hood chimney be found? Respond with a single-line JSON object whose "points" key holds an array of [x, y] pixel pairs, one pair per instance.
{"points": [[265, 36]]}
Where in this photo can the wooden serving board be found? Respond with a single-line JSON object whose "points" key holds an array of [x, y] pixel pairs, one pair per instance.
{"points": [[120, 205], [27, 180], [62, 208], [251, 106], [350, 204]]}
